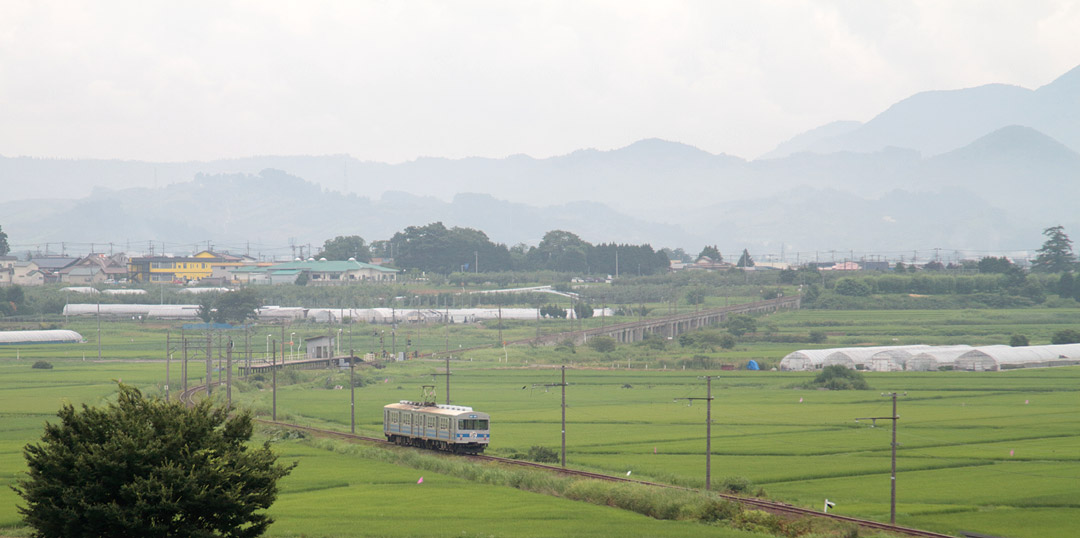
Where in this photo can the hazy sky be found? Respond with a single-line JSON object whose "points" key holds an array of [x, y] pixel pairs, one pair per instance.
{"points": [[394, 80]]}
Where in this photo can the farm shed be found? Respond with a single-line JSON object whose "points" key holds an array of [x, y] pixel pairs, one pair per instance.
{"points": [[804, 359], [40, 337], [935, 357]]}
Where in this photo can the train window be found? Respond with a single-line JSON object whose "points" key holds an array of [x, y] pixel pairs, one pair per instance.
{"points": [[444, 423], [394, 415], [431, 422], [406, 418], [473, 424]]}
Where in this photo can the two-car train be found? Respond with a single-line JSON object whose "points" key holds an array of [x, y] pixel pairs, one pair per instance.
{"points": [[452, 428]]}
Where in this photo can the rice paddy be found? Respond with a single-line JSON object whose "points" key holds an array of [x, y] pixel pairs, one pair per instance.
{"points": [[990, 452]]}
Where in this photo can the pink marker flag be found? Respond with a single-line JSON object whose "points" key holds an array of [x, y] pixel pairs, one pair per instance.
{"points": [[1025, 402], [1011, 452], [800, 400], [421, 481], [654, 450]]}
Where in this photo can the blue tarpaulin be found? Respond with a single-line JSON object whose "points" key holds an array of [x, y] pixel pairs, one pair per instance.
{"points": [[752, 365]]}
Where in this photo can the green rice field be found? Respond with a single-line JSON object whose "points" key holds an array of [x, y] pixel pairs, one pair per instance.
{"points": [[990, 452]]}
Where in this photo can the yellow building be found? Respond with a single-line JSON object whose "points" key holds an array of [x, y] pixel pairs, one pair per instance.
{"points": [[180, 269]]}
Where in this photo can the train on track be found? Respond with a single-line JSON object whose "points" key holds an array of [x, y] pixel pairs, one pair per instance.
{"points": [[452, 428]]}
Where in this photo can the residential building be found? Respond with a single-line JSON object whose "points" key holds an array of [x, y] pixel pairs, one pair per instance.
{"points": [[317, 273], [183, 269], [50, 266], [27, 274], [95, 269]]}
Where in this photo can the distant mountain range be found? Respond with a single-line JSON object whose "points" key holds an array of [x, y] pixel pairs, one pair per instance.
{"points": [[982, 169]]}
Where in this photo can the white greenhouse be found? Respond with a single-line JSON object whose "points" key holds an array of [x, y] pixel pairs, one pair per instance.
{"points": [[805, 359], [40, 337], [935, 357], [989, 358], [862, 357]]}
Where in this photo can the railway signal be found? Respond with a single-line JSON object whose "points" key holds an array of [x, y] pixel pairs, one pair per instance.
{"points": [[892, 478], [708, 428]]}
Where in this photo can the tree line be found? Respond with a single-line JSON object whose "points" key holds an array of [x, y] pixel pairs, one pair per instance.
{"points": [[437, 249]]}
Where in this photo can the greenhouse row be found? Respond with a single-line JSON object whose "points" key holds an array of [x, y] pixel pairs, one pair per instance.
{"points": [[922, 358], [332, 315], [57, 336]]}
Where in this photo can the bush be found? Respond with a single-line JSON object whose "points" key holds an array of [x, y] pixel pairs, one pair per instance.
{"points": [[736, 484], [542, 454], [758, 521], [817, 337], [1018, 340], [837, 377], [1065, 336], [42, 365], [602, 344]]}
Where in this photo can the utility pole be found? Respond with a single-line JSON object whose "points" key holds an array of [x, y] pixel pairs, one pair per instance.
{"points": [[209, 364], [228, 375], [273, 378], [183, 365], [892, 477], [563, 385], [352, 394], [708, 429], [168, 355], [98, 330]]}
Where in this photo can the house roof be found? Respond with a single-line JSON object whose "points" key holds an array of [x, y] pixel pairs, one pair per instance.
{"points": [[54, 262]]}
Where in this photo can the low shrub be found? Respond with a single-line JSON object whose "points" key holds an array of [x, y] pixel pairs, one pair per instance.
{"points": [[42, 365], [837, 377]]}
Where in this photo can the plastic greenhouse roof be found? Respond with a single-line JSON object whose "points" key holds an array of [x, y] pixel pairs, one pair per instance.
{"points": [[39, 337]]}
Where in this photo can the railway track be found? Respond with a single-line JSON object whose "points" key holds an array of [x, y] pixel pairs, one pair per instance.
{"points": [[774, 507]]}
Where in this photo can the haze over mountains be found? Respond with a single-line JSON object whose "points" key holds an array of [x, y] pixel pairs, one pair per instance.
{"points": [[981, 169]]}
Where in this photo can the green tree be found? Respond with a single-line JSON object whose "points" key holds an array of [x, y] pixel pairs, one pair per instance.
{"points": [[560, 250], [206, 307], [344, 247], [1065, 336], [991, 264], [852, 288], [4, 247], [1018, 340], [740, 324], [148, 467], [712, 253], [238, 306], [1066, 286], [1056, 254], [745, 260], [583, 311], [695, 295]]}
